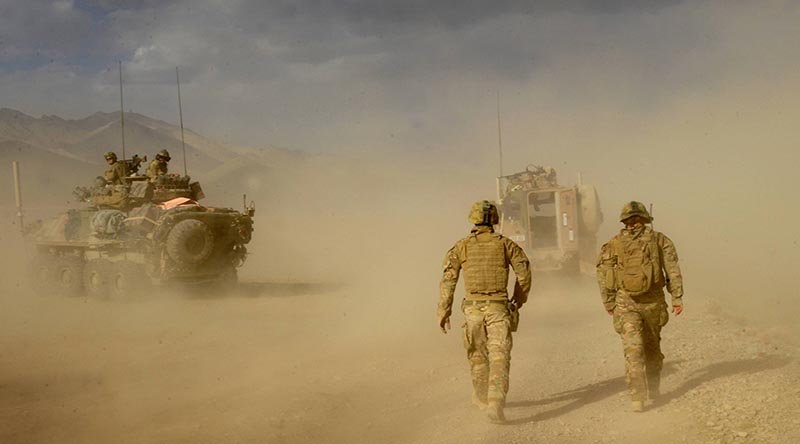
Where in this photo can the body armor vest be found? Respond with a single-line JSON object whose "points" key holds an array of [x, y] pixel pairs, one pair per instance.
{"points": [[485, 265]]}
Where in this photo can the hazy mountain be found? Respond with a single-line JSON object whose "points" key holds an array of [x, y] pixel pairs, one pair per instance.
{"points": [[63, 153], [88, 138]]}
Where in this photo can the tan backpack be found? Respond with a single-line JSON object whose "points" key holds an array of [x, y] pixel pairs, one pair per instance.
{"points": [[638, 265]]}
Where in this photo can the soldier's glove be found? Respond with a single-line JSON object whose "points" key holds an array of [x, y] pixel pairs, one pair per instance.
{"points": [[444, 324]]}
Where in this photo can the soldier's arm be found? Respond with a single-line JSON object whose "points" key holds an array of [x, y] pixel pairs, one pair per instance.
{"points": [[522, 269], [451, 268], [605, 273], [669, 260]]}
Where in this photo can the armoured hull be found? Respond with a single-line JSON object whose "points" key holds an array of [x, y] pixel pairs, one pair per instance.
{"points": [[114, 252]]}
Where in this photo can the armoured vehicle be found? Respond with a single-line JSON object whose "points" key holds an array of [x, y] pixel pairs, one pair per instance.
{"points": [[132, 236], [556, 225]]}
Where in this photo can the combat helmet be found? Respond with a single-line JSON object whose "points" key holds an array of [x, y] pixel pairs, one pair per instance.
{"points": [[164, 154], [484, 212], [110, 155], [634, 208]]}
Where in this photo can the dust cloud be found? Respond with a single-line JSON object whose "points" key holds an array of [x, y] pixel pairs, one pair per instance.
{"points": [[339, 293], [333, 329]]}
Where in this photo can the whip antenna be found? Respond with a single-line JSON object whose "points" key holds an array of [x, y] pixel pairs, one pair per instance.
{"points": [[180, 113], [121, 111], [499, 135], [18, 195]]}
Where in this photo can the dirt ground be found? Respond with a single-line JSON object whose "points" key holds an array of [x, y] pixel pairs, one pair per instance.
{"points": [[294, 362]]}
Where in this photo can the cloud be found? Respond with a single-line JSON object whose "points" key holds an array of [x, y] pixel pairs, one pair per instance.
{"points": [[396, 74]]}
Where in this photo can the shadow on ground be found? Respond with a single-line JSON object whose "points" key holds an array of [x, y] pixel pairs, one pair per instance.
{"points": [[724, 369], [591, 393]]}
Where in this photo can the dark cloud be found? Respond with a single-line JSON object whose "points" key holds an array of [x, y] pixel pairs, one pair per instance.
{"points": [[383, 72], [373, 17], [54, 29]]}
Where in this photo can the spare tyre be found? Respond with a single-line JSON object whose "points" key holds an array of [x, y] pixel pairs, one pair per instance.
{"points": [[190, 242], [591, 215]]}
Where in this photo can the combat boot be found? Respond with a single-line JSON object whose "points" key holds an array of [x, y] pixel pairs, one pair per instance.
{"points": [[637, 406], [478, 401], [495, 412]]}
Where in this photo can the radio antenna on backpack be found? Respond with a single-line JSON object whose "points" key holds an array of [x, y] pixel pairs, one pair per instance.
{"points": [[652, 224], [180, 113], [499, 149]]}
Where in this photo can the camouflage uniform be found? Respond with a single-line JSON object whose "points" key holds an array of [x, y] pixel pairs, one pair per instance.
{"points": [[639, 314], [115, 174], [485, 256], [156, 169]]}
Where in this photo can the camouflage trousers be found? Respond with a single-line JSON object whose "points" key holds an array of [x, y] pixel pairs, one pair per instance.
{"points": [[487, 338], [638, 320]]}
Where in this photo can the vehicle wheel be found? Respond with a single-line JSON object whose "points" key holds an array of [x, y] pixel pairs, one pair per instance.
{"points": [[126, 280], [42, 274], [96, 277], [190, 242], [68, 275], [590, 214]]}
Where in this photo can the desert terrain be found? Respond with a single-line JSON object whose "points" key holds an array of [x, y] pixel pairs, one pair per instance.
{"points": [[331, 337]]}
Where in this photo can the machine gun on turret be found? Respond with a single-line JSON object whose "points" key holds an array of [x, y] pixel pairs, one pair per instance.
{"points": [[133, 164]]}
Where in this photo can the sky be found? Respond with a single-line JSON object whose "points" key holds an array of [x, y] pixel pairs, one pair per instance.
{"points": [[402, 75]]}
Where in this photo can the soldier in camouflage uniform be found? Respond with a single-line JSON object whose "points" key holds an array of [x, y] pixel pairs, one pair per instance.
{"points": [[632, 270], [116, 172], [485, 256], [158, 167]]}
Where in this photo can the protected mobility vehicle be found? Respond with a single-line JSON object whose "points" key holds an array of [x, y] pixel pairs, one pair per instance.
{"points": [[556, 225]]}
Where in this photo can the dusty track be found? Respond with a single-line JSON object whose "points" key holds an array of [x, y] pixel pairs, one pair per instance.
{"points": [[295, 363]]}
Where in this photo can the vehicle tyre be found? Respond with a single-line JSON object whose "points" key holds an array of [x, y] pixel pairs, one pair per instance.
{"points": [[68, 276], [190, 242], [42, 274], [126, 280], [96, 277], [591, 215]]}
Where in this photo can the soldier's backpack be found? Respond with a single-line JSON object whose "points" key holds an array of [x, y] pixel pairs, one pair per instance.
{"points": [[638, 267]]}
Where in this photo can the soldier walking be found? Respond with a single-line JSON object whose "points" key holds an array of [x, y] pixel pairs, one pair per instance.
{"points": [[632, 270], [485, 256]]}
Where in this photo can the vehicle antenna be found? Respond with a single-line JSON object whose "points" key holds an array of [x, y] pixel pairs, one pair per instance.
{"points": [[499, 135], [180, 113], [652, 224], [499, 148], [121, 110], [18, 194]]}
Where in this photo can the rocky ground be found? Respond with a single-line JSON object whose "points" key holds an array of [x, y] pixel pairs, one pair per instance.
{"points": [[302, 363]]}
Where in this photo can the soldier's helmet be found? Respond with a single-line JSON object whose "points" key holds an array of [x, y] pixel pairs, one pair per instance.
{"points": [[484, 212], [110, 155], [163, 154], [634, 208]]}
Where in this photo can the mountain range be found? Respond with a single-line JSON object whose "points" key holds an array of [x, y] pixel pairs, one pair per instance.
{"points": [[57, 154]]}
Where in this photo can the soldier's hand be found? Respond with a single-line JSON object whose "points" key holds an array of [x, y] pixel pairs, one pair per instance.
{"points": [[444, 324], [610, 312], [677, 309]]}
